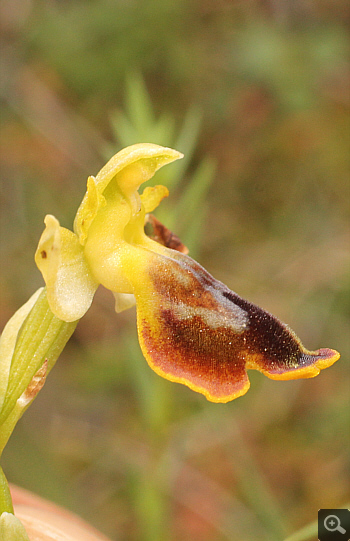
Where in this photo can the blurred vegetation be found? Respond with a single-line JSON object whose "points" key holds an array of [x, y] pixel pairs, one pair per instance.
{"points": [[256, 94]]}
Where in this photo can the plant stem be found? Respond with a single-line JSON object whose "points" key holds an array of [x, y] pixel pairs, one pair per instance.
{"points": [[5, 496]]}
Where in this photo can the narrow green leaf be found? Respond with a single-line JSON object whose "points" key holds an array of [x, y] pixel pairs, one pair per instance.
{"points": [[42, 337]]}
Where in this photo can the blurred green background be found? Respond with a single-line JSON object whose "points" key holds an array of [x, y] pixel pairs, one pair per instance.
{"points": [[256, 94]]}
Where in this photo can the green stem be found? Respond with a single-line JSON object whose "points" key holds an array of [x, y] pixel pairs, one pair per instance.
{"points": [[5, 496], [154, 400]]}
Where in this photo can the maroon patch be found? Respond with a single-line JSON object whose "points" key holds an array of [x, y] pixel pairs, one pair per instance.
{"points": [[208, 336]]}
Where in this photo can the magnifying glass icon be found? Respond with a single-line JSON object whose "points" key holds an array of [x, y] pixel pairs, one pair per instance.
{"points": [[332, 524]]}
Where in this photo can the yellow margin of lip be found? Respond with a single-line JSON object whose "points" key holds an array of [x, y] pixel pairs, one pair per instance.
{"points": [[306, 371]]}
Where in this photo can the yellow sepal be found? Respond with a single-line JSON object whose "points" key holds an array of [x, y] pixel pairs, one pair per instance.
{"points": [[70, 284], [147, 157]]}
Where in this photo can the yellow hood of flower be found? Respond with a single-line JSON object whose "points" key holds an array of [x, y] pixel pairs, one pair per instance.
{"points": [[108, 224]]}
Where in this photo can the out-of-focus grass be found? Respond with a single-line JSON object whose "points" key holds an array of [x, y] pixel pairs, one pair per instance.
{"points": [[262, 91]]}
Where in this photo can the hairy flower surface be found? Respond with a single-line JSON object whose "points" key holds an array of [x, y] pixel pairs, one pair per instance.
{"points": [[192, 329]]}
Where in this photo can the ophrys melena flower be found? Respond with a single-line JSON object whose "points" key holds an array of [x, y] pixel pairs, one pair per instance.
{"points": [[192, 329]]}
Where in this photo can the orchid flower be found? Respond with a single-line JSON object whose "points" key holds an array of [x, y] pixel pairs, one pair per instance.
{"points": [[192, 329]]}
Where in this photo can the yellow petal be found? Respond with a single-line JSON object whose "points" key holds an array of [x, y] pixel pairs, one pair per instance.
{"points": [[88, 209], [152, 196], [70, 284]]}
